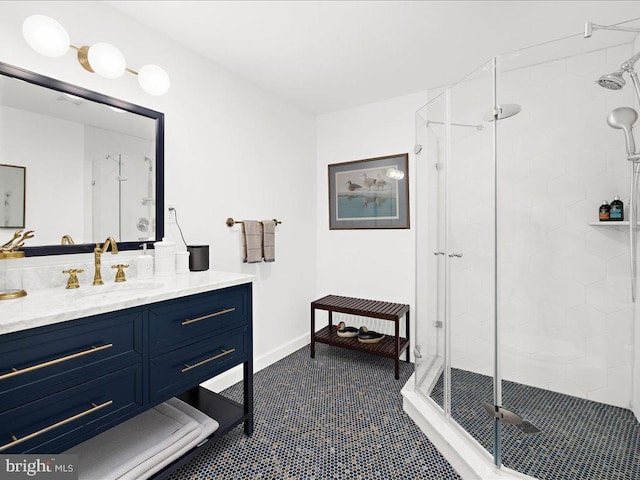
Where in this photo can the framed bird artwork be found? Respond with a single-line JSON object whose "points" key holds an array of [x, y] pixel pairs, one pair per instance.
{"points": [[371, 193]]}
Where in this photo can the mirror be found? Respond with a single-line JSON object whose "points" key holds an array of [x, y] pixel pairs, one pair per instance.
{"points": [[12, 180], [96, 166]]}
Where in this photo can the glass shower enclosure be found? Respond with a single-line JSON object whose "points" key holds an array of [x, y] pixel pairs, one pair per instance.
{"points": [[122, 197], [526, 332]]}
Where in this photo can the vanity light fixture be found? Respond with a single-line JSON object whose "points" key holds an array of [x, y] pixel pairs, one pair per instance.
{"points": [[47, 37], [394, 173]]}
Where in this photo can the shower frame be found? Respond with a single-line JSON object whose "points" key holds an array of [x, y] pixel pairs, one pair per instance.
{"points": [[430, 363]]}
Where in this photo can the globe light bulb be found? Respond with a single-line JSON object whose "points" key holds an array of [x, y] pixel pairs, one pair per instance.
{"points": [[153, 80], [394, 174], [46, 36], [106, 60]]}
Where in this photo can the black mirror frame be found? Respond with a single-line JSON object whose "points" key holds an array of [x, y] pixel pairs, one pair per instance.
{"points": [[52, 83]]}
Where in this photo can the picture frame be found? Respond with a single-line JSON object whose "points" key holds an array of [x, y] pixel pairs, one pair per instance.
{"points": [[369, 194], [12, 196]]}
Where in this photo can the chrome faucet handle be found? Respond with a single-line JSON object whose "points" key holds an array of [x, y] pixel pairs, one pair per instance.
{"points": [[120, 273], [72, 282]]}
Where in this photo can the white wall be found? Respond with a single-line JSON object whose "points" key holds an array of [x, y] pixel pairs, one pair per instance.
{"points": [[230, 150], [51, 165], [375, 264]]}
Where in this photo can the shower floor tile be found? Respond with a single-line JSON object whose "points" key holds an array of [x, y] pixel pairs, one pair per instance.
{"points": [[580, 439]]}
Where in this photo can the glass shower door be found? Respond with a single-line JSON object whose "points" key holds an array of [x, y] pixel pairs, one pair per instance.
{"points": [[429, 350], [470, 253], [455, 254]]}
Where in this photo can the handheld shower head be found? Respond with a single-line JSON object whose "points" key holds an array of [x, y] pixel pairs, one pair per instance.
{"points": [[612, 81], [623, 119]]}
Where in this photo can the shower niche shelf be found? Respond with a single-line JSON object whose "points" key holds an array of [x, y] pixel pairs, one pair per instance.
{"points": [[610, 224]]}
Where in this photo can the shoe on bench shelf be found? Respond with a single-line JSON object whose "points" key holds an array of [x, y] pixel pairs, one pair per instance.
{"points": [[344, 331], [366, 336]]}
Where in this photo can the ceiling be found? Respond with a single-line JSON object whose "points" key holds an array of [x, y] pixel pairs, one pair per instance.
{"points": [[325, 56]]}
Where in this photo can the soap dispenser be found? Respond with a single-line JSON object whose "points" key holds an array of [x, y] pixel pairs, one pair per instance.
{"points": [[617, 210], [144, 263], [604, 213]]}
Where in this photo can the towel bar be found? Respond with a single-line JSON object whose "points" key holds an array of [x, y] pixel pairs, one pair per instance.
{"points": [[231, 222]]}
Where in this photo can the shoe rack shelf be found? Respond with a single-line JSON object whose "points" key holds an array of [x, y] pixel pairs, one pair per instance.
{"points": [[391, 346]]}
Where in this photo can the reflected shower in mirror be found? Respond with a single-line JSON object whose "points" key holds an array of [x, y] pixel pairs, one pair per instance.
{"points": [[95, 163]]}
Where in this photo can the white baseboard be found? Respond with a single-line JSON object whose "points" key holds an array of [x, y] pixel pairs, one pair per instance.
{"points": [[233, 376]]}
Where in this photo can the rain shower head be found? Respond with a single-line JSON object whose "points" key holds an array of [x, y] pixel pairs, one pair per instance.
{"points": [[612, 81], [623, 119], [503, 111]]}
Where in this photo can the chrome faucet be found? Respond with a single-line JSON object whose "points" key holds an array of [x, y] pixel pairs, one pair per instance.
{"points": [[97, 253]]}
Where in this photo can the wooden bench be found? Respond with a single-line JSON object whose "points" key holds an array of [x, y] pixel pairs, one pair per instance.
{"points": [[389, 346]]}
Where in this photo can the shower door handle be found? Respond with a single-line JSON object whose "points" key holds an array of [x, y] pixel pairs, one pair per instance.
{"points": [[438, 253], [455, 254]]}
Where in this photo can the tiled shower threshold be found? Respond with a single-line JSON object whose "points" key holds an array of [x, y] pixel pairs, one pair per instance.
{"points": [[579, 439]]}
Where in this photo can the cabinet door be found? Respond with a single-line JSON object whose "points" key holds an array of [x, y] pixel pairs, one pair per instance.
{"points": [[179, 322], [41, 361], [58, 421], [181, 369]]}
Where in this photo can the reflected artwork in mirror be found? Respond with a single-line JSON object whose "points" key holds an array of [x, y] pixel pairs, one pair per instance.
{"points": [[96, 165], [12, 196]]}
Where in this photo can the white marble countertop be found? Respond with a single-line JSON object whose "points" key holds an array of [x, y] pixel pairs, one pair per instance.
{"points": [[55, 305]]}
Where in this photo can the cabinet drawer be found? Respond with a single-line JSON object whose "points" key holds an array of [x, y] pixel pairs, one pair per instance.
{"points": [[38, 426], [181, 369], [38, 362], [179, 322]]}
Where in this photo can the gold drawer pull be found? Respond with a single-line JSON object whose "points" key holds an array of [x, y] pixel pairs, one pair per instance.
{"points": [[93, 349], [221, 312], [224, 352], [16, 441]]}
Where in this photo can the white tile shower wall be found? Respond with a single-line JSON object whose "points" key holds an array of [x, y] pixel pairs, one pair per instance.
{"points": [[565, 311]]}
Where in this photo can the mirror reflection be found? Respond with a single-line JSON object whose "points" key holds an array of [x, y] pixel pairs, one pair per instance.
{"points": [[12, 180], [91, 166]]}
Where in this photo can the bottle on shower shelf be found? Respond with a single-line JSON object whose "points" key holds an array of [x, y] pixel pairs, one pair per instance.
{"points": [[616, 212], [604, 212]]}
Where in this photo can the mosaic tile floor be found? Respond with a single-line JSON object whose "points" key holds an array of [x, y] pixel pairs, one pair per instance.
{"points": [[338, 416], [580, 439]]}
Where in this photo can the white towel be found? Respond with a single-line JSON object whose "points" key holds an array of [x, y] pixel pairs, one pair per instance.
{"points": [[269, 240], [153, 465], [115, 452], [252, 241], [145, 444]]}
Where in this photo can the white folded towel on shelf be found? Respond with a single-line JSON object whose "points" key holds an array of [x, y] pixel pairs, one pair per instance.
{"points": [[144, 444], [156, 463]]}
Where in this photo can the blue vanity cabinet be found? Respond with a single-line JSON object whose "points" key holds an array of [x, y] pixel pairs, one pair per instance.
{"points": [[64, 383], [41, 361], [56, 422], [183, 321]]}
